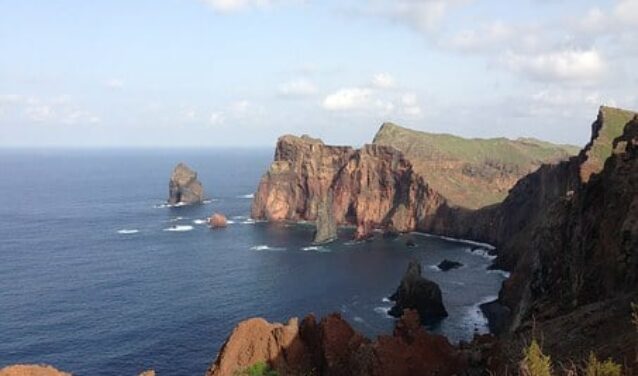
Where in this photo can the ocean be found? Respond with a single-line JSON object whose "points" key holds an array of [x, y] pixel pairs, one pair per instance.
{"points": [[99, 277]]}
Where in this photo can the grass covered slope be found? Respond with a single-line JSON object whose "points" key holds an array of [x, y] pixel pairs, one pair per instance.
{"points": [[471, 172]]}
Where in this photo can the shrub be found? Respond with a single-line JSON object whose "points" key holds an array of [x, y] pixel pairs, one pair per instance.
{"points": [[535, 363], [258, 369], [598, 368]]}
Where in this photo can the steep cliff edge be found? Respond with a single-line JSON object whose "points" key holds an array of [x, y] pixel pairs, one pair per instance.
{"points": [[372, 187], [471, 173]]}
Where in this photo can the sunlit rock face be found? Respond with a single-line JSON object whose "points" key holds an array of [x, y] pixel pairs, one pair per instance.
{"points": [[184, 187]]}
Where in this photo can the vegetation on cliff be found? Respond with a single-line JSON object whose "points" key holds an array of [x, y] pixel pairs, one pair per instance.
{"points": [[471, 172]]}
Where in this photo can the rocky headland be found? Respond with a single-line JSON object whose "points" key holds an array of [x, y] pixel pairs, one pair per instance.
{"points": [[183, 187], [567, 231]]}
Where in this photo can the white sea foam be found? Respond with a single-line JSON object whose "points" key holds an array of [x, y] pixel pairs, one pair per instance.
{"points": [[128, 231], [230, 222], [434, 268], [239, 217], [484, 245], [179, 228], [481, 252], [386, 300], [263, 247], [383, 311], [250, 195], [504, 273], [476, 317], [358, 319], [167, 205], [200, 221], [248, 221], [205, 202], [316, 248], [176, 219]]}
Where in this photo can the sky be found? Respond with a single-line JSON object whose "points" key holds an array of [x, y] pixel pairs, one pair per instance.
{"points": [[205, 73]]}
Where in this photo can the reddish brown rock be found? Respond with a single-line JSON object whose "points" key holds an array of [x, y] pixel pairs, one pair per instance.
{"points": [[331, 347], [31, 370], [373, 187], [256, 340], [217, 221]]}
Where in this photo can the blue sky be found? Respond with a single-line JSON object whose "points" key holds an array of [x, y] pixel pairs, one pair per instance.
{"points": [[242, 72]]}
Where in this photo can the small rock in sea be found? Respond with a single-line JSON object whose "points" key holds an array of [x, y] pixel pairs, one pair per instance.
{"points": [[184, 187], [446, 265], [217, 221], [410, 242]]}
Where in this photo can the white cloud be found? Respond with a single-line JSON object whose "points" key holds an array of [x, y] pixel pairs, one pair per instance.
{"points": [[383, 81], [232, 6], [423, 15], [53, 110], [485, 37], [585, 65], [347, 99], [297, 88], [410, 105], [216, 118], [627, 12], [114, 83]]}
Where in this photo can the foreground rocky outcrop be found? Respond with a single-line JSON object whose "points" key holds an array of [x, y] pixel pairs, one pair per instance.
{"points": [[418, 293], [184, 187], [31, 370], [331, 347]]}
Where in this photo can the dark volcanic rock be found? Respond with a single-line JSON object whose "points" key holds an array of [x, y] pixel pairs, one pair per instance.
{"points": [[446, 265], [184, 186], [416, 292], [326, 230]]}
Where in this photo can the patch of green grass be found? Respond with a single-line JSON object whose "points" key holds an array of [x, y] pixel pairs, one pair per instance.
{"points": [[614, 121], [258, 369]]}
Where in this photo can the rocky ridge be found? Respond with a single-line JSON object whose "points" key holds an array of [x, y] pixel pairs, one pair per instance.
{"points": [[331, 347]]}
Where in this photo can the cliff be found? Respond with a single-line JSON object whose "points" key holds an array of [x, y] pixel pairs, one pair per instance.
{"points": [[471, 173], [372, 187]]}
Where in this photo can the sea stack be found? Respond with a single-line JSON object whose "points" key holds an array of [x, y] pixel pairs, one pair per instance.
{"points": [[184, 186], [417, 292], [326, 224]]}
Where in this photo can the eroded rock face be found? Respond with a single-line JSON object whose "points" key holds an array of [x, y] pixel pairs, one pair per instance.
{"points": [[373, 187], [184, 186], [326, 223], [418, 293], [31, 370], [217, 220], [331, 347]]}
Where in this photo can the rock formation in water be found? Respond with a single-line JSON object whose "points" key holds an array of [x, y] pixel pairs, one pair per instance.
{"points": [[419, 293], [446, 265], [326, 224], [184, 186], [217, 220], [331, 347]]}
